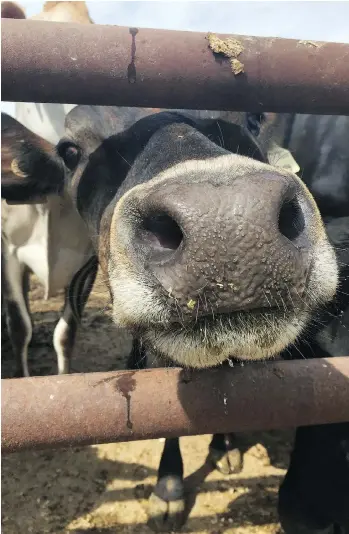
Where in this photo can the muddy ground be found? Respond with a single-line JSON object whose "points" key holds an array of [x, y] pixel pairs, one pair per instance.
{"points": [[103, 489]]}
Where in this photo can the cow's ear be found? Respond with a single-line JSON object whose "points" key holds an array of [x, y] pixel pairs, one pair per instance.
{"points": [[30, 169], [282, 158], [277, 155], [11, 10]]}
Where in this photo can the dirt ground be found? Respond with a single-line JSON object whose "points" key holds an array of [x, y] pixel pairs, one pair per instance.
{"points": [[104, 489]]}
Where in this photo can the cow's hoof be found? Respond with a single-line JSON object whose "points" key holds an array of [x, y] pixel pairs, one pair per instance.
{"points": [[227, 462], [166, 505]]}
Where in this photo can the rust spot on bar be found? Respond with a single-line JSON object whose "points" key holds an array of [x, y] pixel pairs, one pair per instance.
{"points": [[126, 384], [131, 69]]}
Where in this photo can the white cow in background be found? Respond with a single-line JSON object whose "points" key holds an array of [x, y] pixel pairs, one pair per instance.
{"points": [[48, 239]]}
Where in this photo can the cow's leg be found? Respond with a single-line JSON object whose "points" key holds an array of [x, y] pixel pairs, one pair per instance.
{"points": [[15, 279], [167, 502], [65, 331], [225, 454], [64, 337], [314, 496]]}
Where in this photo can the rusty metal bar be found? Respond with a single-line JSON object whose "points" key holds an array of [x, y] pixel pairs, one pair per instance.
{"points": [[110, 65], [60, 411]]}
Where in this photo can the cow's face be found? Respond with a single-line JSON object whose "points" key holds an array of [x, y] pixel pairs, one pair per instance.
{"points": [[210, 253]]}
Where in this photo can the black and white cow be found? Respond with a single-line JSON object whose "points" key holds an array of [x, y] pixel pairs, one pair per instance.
{"points": [[210, 253], [47, 238]]}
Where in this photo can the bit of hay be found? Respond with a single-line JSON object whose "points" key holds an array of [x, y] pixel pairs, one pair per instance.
{"points": [[310, 43], [230, 48], [236, 66], [191, 304]]}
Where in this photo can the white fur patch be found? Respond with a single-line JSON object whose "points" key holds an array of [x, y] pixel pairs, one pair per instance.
{"points": [[133, 301], [59, 336], [240, 344]]}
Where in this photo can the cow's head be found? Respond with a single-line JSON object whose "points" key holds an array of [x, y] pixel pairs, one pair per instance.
{"points": [[11, 10], [209, 252], [26, 161], [52, 11]]}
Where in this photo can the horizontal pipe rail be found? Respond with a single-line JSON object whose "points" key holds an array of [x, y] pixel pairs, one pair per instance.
{"points": [[70, 410], [110, 65]]}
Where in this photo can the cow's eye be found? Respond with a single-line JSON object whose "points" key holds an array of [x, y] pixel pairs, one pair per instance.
{"points": [[70, 154]]}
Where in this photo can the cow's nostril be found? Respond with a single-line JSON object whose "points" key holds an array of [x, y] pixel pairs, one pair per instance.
{"points": [[161, 234], [291, 219]]}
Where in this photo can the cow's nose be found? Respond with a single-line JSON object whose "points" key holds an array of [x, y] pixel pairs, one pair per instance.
{"points": [[162, 232], [225, 248], [161, 236]]}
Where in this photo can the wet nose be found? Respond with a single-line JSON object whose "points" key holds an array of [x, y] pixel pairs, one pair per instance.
{"points": [[216, 249]]}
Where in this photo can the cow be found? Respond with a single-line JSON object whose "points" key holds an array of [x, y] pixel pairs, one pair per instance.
{"points": [[314, 496], [209, 251], [47, 238]]}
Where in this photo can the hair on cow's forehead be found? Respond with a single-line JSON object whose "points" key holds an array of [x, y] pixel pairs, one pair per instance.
{"points": [[97, 121], [139, 124], [102, 121]]}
